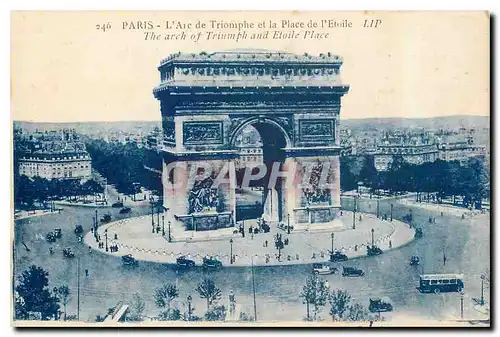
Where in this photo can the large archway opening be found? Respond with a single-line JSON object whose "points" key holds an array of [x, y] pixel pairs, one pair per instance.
{"points": [[260, 145]]}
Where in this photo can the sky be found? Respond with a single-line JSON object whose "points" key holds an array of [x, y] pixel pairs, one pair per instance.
{"points": [[414, 65]]}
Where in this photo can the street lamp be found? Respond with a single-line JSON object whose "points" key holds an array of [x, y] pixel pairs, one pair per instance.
{"points": [[373, 241], [152, 215], [189, 298], [378, 208], [354, 215], [231, 256], [106, 236], [163, 225], [391, 211], [288, 216], [332, 235], [169, 232], [482, 289]]}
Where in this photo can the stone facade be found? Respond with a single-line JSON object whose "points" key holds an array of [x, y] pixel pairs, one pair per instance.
{"points": [[293, 101]]}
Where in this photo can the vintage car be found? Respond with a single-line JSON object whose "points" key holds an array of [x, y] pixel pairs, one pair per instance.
{"points": [[125, 210], [118, 204], [338, 256], [351, 271], [265, 227], [78, 229], [58, 232], [418, 233], [211, 263], [323, 269], [183, 262], [414, 261], [129, 260], [67, 252], [380, 304], [106, 218], [50, 237], [373, 250]]}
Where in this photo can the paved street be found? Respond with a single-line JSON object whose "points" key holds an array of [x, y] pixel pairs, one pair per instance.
{"points": [[135, 237], [465, 243]]}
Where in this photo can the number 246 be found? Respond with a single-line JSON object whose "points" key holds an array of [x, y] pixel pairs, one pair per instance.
{"points": [[104, 27]]}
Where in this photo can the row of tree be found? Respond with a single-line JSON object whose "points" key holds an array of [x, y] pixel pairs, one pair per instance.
{"points": [[27, 190], [125, 166], [316, 294], [469, 180], [35, 300]]}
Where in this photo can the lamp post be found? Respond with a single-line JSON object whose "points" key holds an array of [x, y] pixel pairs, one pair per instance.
{"points": [[243, 227], [231, 256], [354, 214], [163, 225], [482, 289], [152, 215], [391, 211], [462, 304], [169, 232], [106, 236], [378, 208], [288, 216], [332, 235], [189, 298], [373, 240], [158, 214]]}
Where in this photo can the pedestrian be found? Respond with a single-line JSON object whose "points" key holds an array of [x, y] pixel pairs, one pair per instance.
{"points": [[86, 273], [266, 243], [90, 249], [92, 229], [390, 244], [296, 256], [116, 236]]}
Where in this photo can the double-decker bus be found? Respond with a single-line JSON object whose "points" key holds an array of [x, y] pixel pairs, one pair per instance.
{"points": [[437, 283]]}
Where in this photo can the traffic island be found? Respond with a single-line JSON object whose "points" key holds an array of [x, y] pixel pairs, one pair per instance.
{"points": [[145, 240]]}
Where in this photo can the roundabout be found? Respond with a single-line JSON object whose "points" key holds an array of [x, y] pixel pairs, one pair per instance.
{"points": [[137, 237]]}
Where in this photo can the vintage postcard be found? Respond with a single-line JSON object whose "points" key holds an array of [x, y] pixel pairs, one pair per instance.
{"points": [[250, 168]]}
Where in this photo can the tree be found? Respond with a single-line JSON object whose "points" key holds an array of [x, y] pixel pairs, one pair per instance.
{"points": [[137, 307], [217, 313], [64, 295], [340, 301], [164, 297], [34, 295], [209, 291], [314, 293], [357, 312]]}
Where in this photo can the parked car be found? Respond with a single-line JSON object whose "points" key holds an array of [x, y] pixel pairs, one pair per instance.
{"points": [[58, 232], [351, 271], [211, 263], [67, 252], [266, 228], [125, 210], [50, 237], [382, 304], [78, 229], [373, 250], [414, 261], [323, 269], [338, 256], [129, 260], [106, 218], [183, 262], [418, 233], [118, 204]]}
